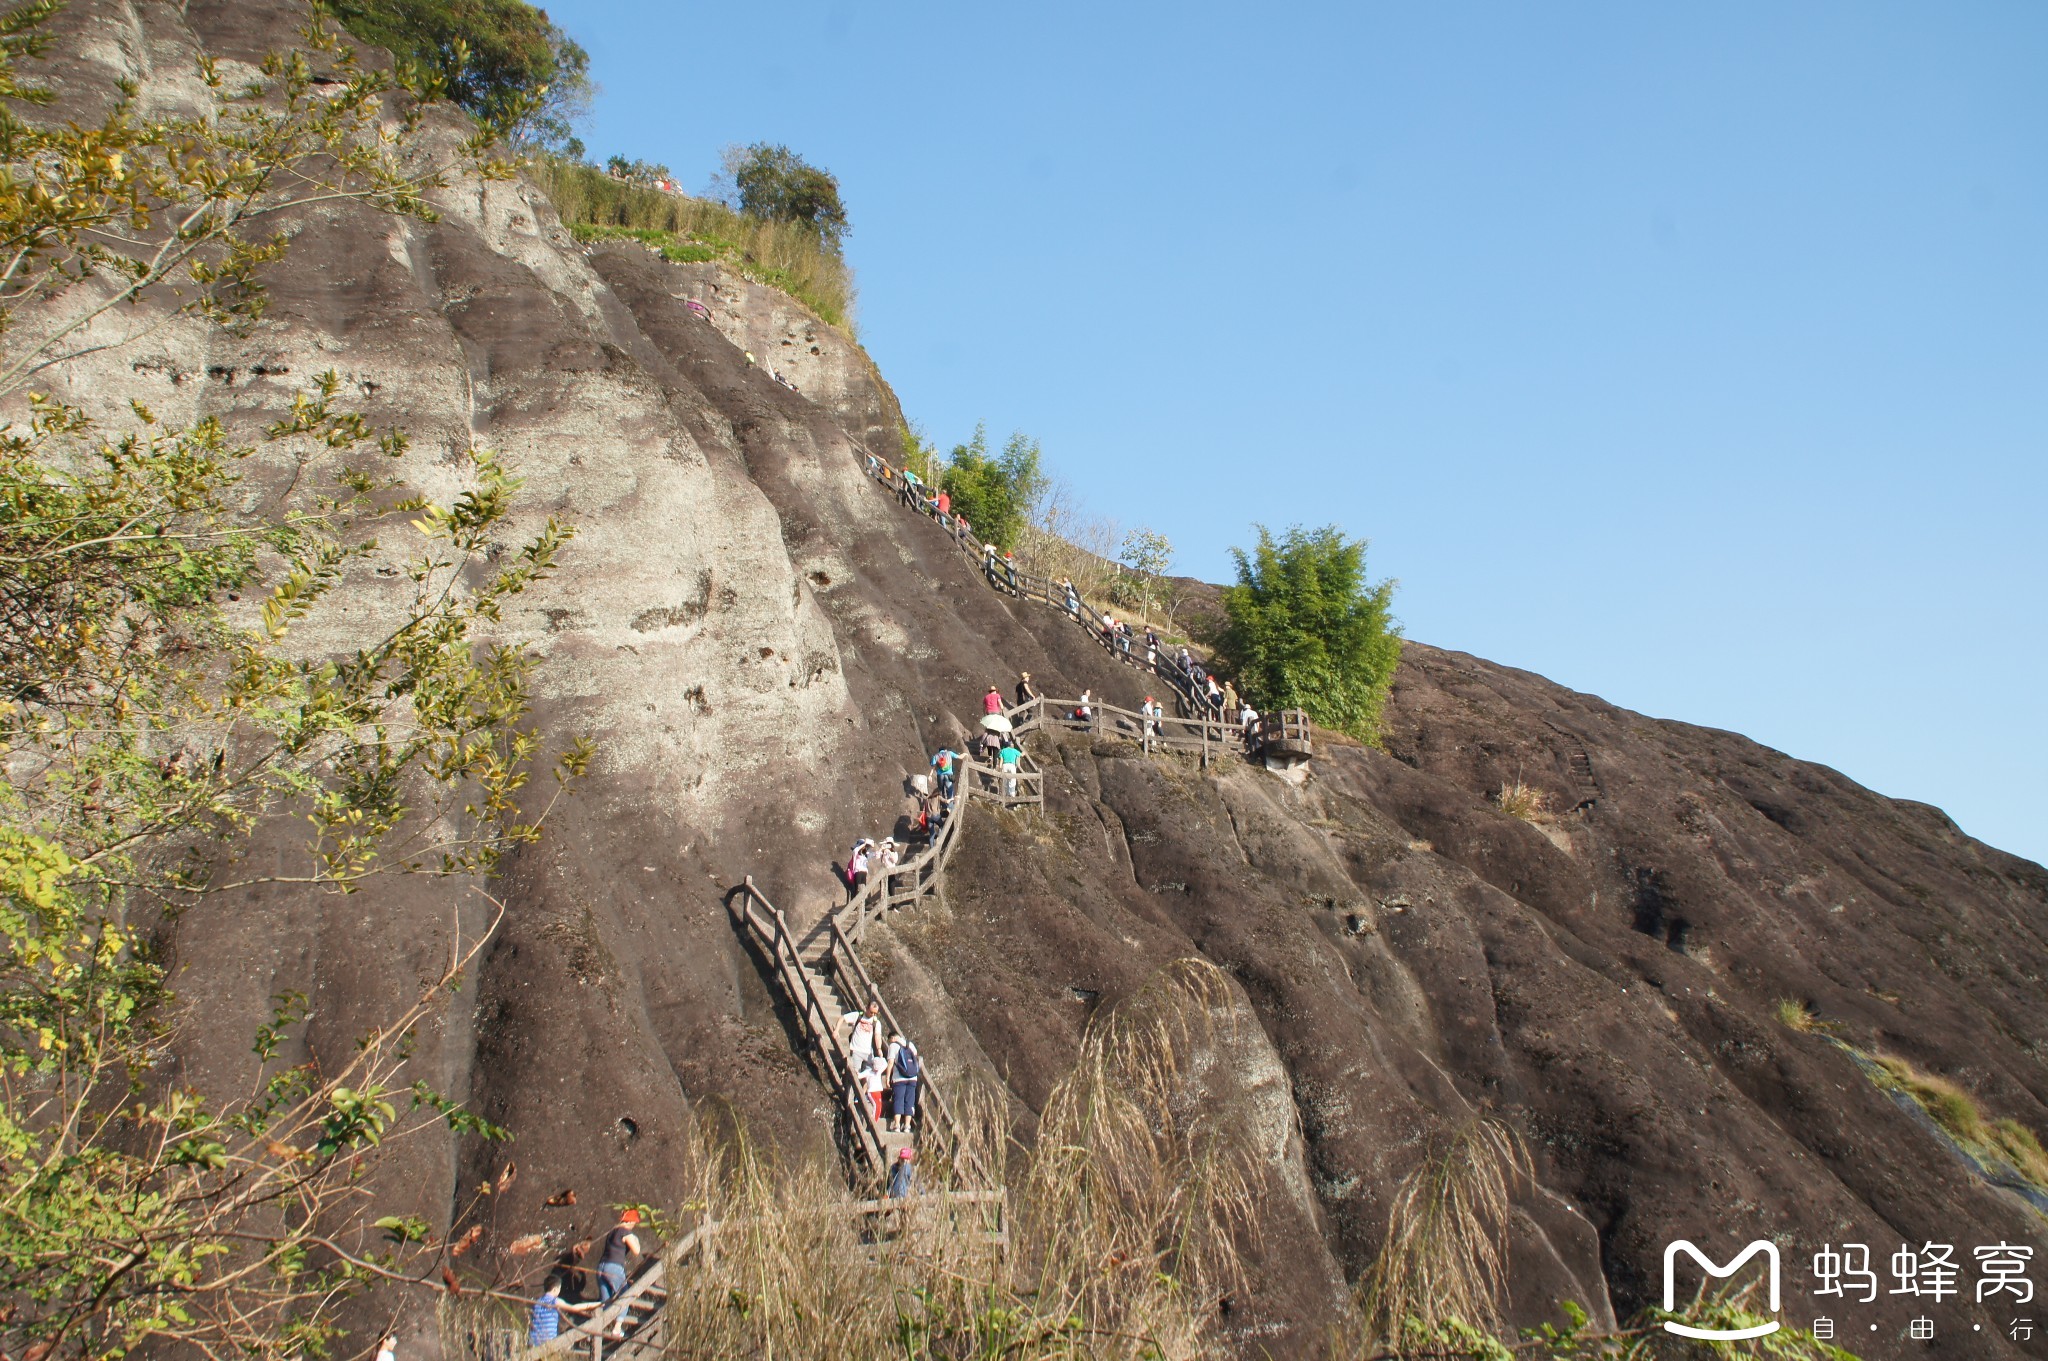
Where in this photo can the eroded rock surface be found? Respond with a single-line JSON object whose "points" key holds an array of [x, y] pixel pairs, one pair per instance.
{"points": [[764, 646]]}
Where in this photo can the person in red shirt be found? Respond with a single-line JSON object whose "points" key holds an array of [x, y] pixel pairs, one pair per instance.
{"points": [[992, 702]]}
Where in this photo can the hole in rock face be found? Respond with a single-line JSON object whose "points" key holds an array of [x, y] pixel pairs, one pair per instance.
{"points": [[1085, 994], [1652, 902], [1778, 814], [629, 1128], [820, 579]]}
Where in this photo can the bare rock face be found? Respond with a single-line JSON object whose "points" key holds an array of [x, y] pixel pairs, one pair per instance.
{"points": [[764, 646]]}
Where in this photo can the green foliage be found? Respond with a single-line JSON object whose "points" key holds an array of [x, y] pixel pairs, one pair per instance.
{"points": [[672, 247], [774, 184], [996, 493], [919, 454], [502, 60], [1305, 629], [595, 205], [156, 706]]}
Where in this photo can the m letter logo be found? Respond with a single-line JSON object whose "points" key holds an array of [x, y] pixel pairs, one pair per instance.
{"points": [[1770, 1253]]}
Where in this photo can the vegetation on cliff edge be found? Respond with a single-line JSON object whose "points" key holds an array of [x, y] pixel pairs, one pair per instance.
{"points": [[786, 255], [159, 713], [1305, 629], [504, 61]]}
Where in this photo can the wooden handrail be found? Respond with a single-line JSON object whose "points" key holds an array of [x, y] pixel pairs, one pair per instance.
{"points": [[672, 1258], [1292, 725], [868, 993], [822, 1022], [604, 1320]]}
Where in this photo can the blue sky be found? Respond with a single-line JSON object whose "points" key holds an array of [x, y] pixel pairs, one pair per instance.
{"points": [[1694, 356]]}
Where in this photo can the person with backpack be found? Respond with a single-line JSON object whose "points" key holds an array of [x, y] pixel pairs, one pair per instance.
{"points": [[905, 1075], [1073, 597], [1025, 694], [942, 764], [1151, 712]]}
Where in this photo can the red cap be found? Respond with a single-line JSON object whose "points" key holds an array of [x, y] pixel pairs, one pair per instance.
{"points": [[629, 1216]]}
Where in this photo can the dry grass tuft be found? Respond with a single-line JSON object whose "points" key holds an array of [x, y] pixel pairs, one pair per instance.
{"points": [[1956, 1111], [1136, 1197], [1523, 801], [1794, 1014], [1445, 1255], [2021, 1147], [1132, 1204]]}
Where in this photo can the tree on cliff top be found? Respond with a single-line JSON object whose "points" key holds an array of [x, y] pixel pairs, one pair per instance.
{"points": [[1305, 630], [503, 60], [158, 707], [775, 184]]}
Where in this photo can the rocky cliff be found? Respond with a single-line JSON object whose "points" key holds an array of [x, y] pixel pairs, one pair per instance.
{"points": [[764, 645]]}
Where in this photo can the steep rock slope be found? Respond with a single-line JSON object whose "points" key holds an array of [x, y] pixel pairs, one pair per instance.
{"points": [[764, 646]]}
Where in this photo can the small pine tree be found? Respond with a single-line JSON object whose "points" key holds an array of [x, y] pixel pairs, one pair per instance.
{"points": [[1306, 630]]}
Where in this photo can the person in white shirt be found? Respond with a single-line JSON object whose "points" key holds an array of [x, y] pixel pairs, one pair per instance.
{"points": [[860, 1045]]}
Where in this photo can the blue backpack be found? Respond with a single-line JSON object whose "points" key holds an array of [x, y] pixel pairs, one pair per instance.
{"points": [[907, 1066]]}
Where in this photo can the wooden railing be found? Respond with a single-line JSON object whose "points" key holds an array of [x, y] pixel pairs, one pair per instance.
{"points": [[639, 1294], [820, 1021], [937, 1131], [1220, 730], [642, 1304]]}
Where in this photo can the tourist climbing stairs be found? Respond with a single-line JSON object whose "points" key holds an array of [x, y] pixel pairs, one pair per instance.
{"points": [[1281, 739], [636, 1325], [819, 971]]}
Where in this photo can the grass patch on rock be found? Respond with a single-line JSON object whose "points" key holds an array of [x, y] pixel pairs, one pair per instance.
{"points": [[1953, 1108], [596, 207]]}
